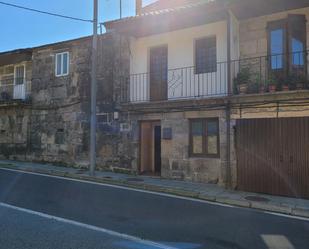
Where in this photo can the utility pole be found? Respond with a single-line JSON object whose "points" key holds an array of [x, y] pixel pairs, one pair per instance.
{"points": [[120, 6], [93, 121]]}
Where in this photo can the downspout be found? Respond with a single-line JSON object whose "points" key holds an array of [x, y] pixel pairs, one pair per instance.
{"points": [[228, 179]]}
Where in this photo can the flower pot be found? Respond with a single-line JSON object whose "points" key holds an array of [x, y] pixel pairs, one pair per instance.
{"points": [[272, 88], [285, 88], [262, 89], [299, 86], [242, 88]]}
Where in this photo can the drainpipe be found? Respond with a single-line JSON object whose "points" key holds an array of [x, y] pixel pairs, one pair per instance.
{"points": [[228, 104]]}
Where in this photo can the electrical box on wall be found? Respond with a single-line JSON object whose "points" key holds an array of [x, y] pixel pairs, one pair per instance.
{"points": [[167, 133], [125, 127]]}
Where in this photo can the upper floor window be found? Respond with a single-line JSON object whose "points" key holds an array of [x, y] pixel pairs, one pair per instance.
{"points": [[206, 55], [19, 75], [62, 64], [287, 44]]}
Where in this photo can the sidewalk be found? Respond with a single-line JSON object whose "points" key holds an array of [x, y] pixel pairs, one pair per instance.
{"points": [[209, 192]]}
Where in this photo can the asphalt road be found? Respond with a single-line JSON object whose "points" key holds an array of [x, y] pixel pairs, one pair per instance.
{"points": [[174, 222]]}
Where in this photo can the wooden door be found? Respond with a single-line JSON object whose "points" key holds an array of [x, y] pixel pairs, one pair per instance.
{"points": [[146, 147], [158, 73], [273, 156]]}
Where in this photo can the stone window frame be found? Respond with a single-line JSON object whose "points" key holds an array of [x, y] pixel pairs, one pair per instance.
{"points": [[212, 60], [56, 63], [204, 141]]}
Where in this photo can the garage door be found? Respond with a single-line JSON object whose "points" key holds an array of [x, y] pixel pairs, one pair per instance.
{"points": [[273, 156]]}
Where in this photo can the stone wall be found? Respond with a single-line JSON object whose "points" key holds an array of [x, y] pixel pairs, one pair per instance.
{"points": [[55, 127], [14, 132], [176, 162], [253, 33]]}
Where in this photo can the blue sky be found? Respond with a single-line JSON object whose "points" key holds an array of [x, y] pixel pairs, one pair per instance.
{"points": [[22, 29]]}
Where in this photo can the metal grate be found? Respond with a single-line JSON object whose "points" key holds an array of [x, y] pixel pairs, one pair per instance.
{"points": [[134, 180], [256, 198]]}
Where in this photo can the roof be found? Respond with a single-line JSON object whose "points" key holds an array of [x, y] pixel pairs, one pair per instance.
{"points": [[190, 5], [163, 4]]}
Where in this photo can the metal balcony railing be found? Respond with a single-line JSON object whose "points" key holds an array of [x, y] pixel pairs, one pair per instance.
{"points": [[277, 72], [14, 89], [179, 83]]}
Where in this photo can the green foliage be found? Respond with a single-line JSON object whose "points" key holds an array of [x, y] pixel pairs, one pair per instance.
{"points": [[243, 77]]}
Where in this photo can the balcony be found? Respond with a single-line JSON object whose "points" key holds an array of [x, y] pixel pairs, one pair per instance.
{"points": [[270, 74], [256, 75], [14, 89], [179, 83]]}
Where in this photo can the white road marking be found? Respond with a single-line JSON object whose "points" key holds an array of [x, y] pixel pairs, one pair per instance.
{"points": [[287, 216], [122, 187], [90, 227], [156, 193]]}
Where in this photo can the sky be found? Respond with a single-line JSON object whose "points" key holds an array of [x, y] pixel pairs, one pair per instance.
{"points": [[23, 29]]}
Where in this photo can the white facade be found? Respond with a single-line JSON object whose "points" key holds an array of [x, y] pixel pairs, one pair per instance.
{"points": [[182, 80]]}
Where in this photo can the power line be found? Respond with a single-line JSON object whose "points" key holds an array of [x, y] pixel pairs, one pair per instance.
{"points": [[45, 12]]}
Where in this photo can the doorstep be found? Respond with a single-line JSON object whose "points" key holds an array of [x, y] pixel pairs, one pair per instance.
{"points": [[208, 192]]}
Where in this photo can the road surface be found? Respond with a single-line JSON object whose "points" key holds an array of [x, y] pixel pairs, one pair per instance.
{"points": [[41, 212]]}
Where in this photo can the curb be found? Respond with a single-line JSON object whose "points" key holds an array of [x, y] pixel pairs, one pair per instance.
{"points": [[270, 207]]}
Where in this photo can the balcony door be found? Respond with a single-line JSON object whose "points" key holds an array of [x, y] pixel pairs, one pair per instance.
{"points": [[19, 82], [158, 73], [287, 47]]}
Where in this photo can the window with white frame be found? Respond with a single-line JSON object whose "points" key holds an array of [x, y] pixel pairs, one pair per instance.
{"points": [[62, 64]]}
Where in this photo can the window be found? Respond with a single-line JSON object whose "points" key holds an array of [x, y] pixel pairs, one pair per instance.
{"points": [[286, 44], [277, 48], [205, 55], [19, 73], [204, 137], [62, 64], [59, 137]]}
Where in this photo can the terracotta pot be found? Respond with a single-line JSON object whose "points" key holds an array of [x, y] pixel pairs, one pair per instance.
{"points": [[242, 88], [285, 88], [262, 89], [272, 88], [299, 86]]}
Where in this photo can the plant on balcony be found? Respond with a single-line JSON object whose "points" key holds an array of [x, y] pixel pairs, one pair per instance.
{"points": [[297, 81], [5, 96], [242, 80], [272, 83]]}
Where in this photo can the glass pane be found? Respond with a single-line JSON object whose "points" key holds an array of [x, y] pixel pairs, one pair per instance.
{"points": [[206, 55], [197, 137], [297, 50], [277, 49], [65, 63], [212, 128], [212, 137], [212, 148], [58, 64], [19, 75]]}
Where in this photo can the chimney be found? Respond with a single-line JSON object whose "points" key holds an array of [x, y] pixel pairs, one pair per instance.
{"points": [[138, 6]]}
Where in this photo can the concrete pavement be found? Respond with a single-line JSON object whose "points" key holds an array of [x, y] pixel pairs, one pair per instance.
{"points": [[171, 221], [210, 192]]}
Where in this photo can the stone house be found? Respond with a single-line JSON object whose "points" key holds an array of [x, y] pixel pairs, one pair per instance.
{"points": [[210, 91], [218, 92], [44, 102]]}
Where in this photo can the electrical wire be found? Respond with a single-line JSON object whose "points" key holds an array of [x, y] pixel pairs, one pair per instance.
{"points": [[45, 12]]}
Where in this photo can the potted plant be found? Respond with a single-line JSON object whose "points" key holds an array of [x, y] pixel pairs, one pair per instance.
{"points": [[272, 83], [242, 80], [300, 83], [297, 81], [285, 87]]}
